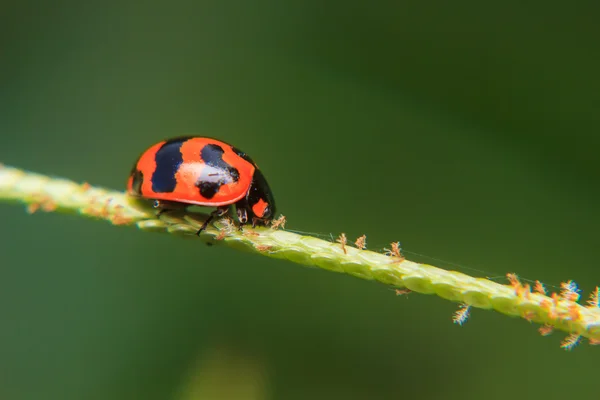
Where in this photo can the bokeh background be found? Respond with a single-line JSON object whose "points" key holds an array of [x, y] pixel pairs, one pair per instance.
{"points": [[468, 132]]}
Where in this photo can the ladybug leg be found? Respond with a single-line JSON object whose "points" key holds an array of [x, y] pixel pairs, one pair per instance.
{"points": [[219, 212], [258, 221], [166, 206]]}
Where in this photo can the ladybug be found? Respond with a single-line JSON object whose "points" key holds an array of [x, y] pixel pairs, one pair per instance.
{"points": [[201, 171]]}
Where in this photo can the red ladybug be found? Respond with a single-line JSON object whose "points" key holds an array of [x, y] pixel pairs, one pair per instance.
{"points": [[202, 171]]}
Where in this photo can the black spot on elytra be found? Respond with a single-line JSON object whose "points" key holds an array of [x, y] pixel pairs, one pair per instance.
{"points": [[219, 172], [168, 159], [209, 189], [136, 183]]}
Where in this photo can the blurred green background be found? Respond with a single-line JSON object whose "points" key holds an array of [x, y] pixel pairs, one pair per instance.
{"points": [[468, 132]]}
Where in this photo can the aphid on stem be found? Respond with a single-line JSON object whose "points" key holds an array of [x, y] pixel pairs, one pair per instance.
{"points": [[462, 314], [569, 291], [546, 330], [343, 241], [594, 300], [278, 223], [570, 341], [539, 288], [395, 251], [361, 242]]}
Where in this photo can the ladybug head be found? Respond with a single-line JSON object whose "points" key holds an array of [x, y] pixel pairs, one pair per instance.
{"points": [[261, 204]]}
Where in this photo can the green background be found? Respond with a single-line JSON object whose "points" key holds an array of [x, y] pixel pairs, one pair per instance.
{"points": [[468, 132]]}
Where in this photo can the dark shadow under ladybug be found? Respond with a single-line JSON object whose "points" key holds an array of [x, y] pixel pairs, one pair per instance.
{"points": [[259, 200]]}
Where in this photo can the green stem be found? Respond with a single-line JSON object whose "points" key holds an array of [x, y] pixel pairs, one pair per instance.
{"points": [[558, 311]]}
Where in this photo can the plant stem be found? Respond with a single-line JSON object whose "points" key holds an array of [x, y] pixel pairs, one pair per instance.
{"points": [[560, 311]]}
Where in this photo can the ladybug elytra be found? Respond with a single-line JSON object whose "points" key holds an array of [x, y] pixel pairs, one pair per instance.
{"points": [[202, 171]]}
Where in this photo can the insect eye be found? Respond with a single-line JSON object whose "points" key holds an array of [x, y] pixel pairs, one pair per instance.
{"points": [[242, 215], [267, 212]]}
